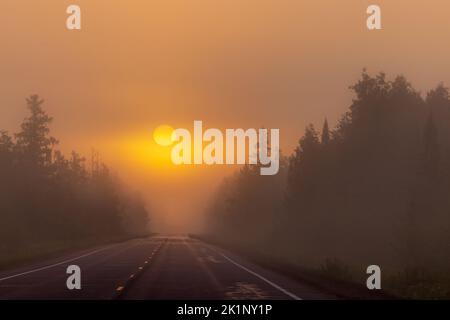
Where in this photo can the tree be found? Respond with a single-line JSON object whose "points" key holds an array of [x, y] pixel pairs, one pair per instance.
{"points": [[33, 141], [325, 133], [6, 150], [430, 155], [303, 162], [48, 201], [438, 98], [376, 188]]}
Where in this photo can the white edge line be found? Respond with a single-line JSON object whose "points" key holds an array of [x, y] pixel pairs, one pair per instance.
{"points": [[54, 265], [290, 294]]}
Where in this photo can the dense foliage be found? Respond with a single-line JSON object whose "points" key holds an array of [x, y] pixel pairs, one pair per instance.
{"points": [[49, 201], [375, 190]]}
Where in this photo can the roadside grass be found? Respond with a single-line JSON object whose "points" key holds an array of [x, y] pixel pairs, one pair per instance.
{"points": [[417, 283], [336, 269]]}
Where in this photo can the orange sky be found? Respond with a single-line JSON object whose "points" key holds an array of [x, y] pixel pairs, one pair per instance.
{"points": [[140, 63]]}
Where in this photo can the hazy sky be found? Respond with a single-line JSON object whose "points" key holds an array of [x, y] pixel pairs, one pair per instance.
{"points": [[140, 63]]}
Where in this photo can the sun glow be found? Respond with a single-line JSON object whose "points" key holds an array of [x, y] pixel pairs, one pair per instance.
{"points": [[163, 135], [138, 151]]}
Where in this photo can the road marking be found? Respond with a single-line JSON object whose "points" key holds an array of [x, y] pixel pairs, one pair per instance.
{"points": [[55, 265], [290, 294], [135, 276]]}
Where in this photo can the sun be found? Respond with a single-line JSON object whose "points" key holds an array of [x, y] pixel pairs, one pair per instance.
{"points": [[163, 135]]}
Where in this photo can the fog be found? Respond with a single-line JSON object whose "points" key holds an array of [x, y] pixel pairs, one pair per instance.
{"points": [[138, 64]]}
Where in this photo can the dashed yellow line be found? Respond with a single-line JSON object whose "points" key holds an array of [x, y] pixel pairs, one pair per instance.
{"points": [[120, 288]]}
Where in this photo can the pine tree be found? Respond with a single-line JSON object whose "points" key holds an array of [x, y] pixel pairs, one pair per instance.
{"points": [[325, 133], [430, 155], [6, 144], [34, 141]]}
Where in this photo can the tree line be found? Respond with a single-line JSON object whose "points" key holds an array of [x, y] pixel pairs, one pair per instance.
{"points": [[48, 200], [373, 190]]}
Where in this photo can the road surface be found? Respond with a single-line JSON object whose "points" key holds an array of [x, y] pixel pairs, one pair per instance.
{"points": [[159, 267]]}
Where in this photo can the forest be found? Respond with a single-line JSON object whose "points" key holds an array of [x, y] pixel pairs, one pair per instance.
{"points": [[372, 190], [49, 202]]}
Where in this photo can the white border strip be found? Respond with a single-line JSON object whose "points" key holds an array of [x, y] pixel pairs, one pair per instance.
{"points": [[55, 265], [290, 294]]}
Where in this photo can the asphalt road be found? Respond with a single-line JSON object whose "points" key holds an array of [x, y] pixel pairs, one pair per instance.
{"points": [[160, 267]]}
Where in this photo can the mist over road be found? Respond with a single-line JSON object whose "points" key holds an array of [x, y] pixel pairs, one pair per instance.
{"points": [[160, 267]]}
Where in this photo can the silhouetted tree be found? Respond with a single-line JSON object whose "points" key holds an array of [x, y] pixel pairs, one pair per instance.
{"points": [[375, 188], [325, 133], [34, 141], [430, 155], [48, 201]]}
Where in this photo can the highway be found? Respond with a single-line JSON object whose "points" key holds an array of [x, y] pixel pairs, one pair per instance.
{"points": [[158, 267]]}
